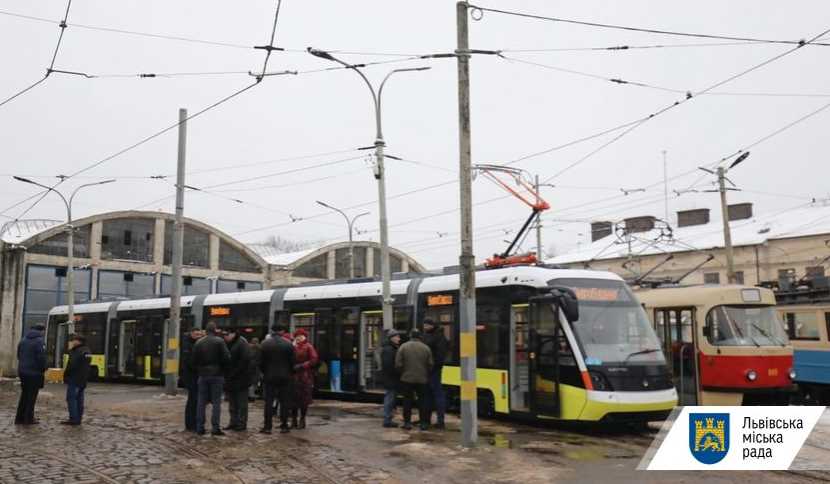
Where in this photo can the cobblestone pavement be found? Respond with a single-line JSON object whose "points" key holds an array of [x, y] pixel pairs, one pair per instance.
{"points": [[128, 448], [132, 434]]}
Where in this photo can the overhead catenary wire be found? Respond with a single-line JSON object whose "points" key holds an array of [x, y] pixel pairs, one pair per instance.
{"points": [[687, 98], [641, 29], [62, 24], [624, 82]]}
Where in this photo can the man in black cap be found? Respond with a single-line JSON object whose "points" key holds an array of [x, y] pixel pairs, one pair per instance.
{"points": [[31, 365], [277, 366], [75, 376], [390, 376], [438, 344], [414, 362]]}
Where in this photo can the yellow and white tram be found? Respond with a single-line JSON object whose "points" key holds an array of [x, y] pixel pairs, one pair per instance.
{"points": [[540, 352]]}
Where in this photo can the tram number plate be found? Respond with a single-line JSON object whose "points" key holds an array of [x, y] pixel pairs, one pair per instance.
{"points": [[772, 372]]}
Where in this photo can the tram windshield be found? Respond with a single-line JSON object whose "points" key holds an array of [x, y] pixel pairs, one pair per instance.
{"points": [[741, 325], [612, 326]]}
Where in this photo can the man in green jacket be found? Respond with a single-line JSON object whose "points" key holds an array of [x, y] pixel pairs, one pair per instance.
{"points": [[414, 363]]}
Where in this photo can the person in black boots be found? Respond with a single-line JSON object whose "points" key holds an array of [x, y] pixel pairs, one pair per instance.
{"points": [[75, 376], [190, 378], [211, 359], [31, 366], [414, 362], [277, 366], [438, 344], [237, 380]]}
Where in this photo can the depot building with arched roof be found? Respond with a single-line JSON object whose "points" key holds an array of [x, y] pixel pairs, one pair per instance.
{"points": [[127, 255]]}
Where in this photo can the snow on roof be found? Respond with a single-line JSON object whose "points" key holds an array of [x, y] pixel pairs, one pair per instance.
{"points": [[18, 231], [273, 257], [753, 231]]}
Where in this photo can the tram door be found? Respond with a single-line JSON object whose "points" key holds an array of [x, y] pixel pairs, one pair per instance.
{"points": [[519, 359], [675, 328], [147, 347], [545, 337], [328, 371], [126, 349], [348, 340], [371, 334]]}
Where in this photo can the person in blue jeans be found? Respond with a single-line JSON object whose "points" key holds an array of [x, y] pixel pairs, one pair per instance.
{"points": [[391, 379], [211, 359], [439, 345], [75, 376]]}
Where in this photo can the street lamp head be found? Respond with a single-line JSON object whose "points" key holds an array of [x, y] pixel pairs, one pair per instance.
{"points": [[320, 53], [413, 69], [323, 204], [24, 180], [739, 159], [105, 182]]}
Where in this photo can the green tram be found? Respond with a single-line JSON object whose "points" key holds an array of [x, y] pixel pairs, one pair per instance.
{"points": [[551, 343]]}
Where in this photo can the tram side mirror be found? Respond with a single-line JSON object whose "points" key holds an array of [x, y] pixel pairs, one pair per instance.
{"points": [[566, 300], [707, 331]]}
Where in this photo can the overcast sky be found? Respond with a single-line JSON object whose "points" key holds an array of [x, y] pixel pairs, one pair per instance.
{"points": [[70, 122]]}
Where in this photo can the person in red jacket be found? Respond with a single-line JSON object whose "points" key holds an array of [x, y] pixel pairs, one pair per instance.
{"points": [[305, 361]]}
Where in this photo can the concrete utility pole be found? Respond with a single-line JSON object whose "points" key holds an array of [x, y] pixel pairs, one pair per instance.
{"points": [[70, 245], [379, 175], [171, 367], [727, 234], [350, 225], [467, 291]]}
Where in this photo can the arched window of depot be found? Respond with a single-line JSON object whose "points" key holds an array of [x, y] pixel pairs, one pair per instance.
{"points": [[316, 268], [395, 263], [232, 259], [196, 248], [58, 244]]}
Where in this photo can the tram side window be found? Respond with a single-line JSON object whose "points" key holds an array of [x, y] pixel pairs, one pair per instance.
{"points": [[802, 326], [445, 317], [492, 328]]}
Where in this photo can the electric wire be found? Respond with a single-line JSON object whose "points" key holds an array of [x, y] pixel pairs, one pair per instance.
{"points": [[642, 29], [688, 97], [62, 24]]}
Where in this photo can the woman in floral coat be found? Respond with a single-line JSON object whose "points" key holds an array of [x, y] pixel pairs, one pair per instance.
{"points": [[305, 362]]}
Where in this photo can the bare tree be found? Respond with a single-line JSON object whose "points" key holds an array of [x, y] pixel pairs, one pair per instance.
{"points": [[282, 245]]}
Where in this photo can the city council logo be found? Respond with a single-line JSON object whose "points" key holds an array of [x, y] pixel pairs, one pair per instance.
{"points": [[709, 436]]}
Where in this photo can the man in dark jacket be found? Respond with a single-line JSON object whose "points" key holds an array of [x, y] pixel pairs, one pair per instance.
{"points": [[414, 362], [75, 376], [31, 365], [190, 378], [390, 376], [237, 380], [277, 365], [438, 344], [211, 359]]}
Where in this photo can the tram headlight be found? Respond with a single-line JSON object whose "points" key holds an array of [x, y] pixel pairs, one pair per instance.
{"points": [[792, 374], [751, 375], [599, 381]]}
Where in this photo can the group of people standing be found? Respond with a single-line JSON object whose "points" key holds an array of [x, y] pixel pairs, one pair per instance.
{"points": [[31, 369], [216, 361], [413, 371]]}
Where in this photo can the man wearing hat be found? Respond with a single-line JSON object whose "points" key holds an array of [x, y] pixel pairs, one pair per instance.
{"points": [[414, 361], [390, 376], [75, 376], [31, 366]]}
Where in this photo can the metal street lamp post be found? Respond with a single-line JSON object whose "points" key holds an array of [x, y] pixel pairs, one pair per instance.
{"points": [[379, 175], [350, 225], [70, 245]]}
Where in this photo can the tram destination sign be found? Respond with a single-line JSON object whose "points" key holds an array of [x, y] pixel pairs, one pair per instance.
{"points": [[220, 311]]}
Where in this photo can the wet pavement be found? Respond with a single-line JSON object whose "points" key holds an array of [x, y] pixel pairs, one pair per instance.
{"points": [[133, 434]]}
